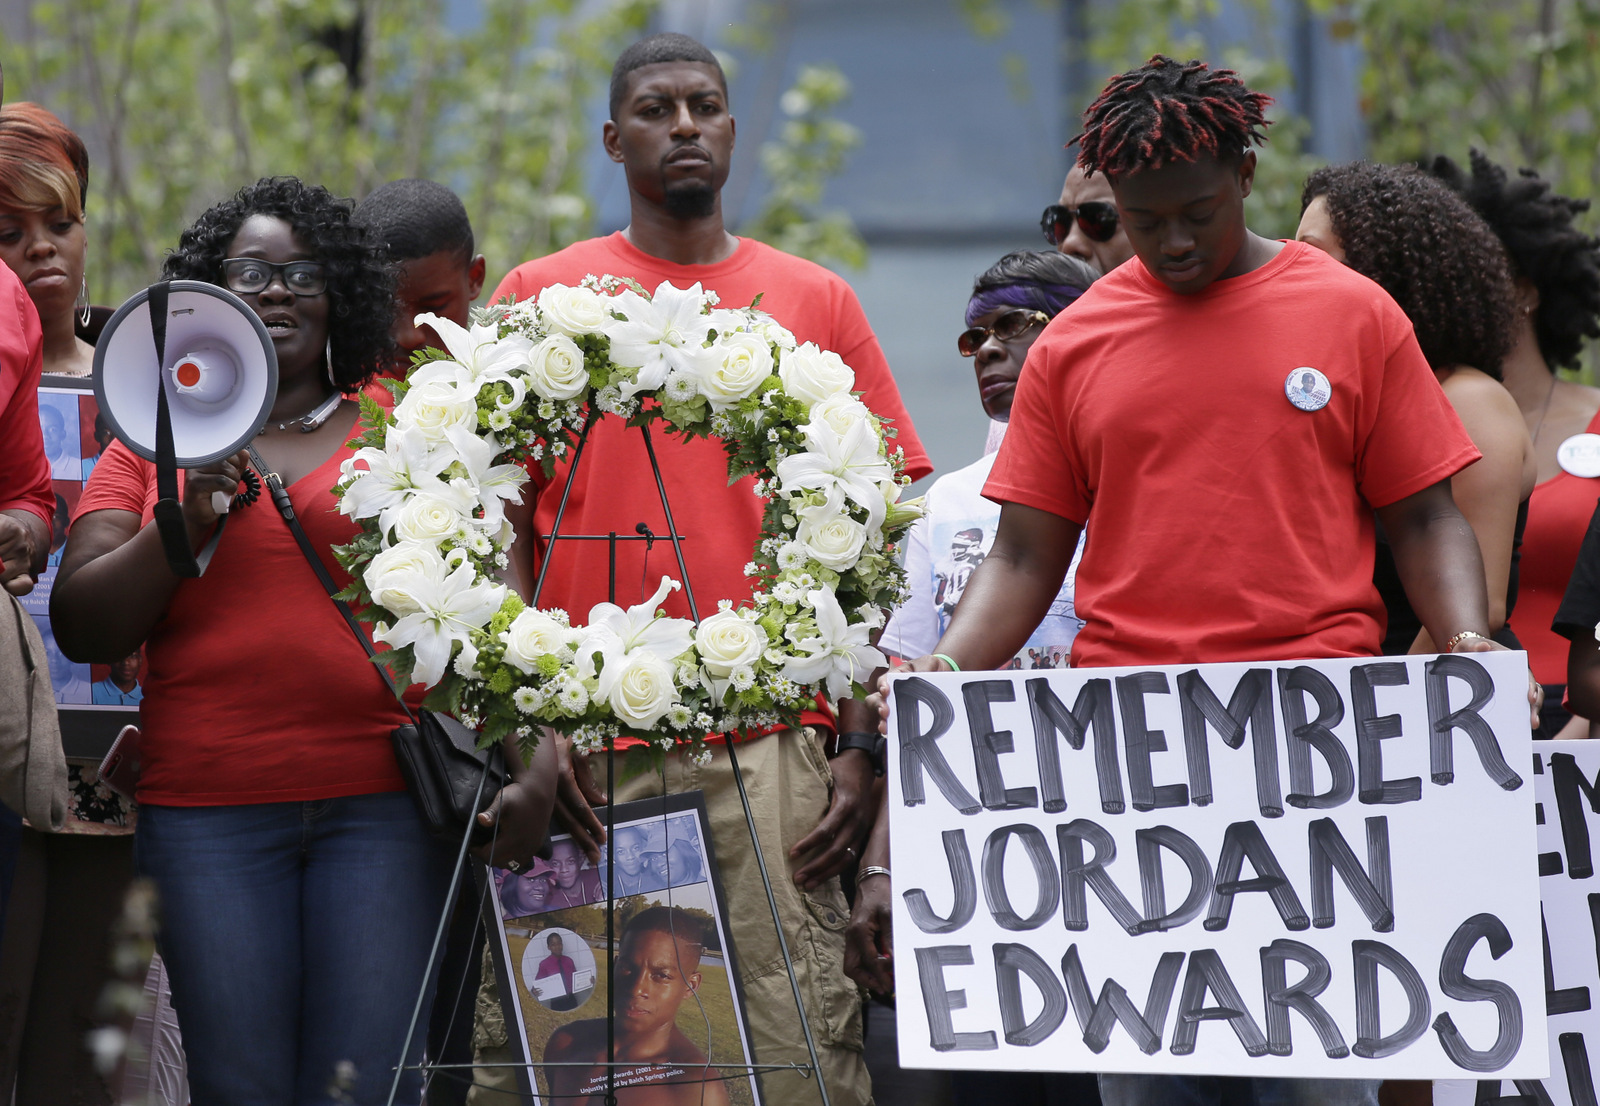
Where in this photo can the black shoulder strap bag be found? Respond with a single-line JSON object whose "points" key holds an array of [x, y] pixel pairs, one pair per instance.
{"points": [[451, 779]]}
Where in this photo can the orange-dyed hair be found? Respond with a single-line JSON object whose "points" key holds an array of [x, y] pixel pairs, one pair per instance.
{"points": [[43, 164]]}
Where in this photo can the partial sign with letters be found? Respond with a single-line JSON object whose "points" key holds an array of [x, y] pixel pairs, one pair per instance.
{"points": [[1308, 868], [1566, 785]]}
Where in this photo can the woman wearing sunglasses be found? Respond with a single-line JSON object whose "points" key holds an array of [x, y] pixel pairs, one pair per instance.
{"points": [[1085, 223], [299, 889], [1010, 305]]}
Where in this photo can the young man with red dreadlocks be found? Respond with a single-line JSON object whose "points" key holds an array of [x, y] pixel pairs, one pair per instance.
{"points": [[1231, 503]]}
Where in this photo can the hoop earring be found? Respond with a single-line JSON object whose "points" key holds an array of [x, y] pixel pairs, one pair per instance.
{"points": [[327, 364], [83, 304]]}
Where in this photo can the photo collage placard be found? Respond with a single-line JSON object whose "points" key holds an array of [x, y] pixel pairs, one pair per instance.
{"points": [[678, 1007]]}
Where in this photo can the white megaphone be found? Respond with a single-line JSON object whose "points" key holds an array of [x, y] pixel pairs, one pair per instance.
{"points": [[185, 374]]}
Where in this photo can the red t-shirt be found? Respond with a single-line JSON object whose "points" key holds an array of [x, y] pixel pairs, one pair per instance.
{"points": [[614, 488], [1558, 516], [1226, 524], [24, 469], [257, 691]]}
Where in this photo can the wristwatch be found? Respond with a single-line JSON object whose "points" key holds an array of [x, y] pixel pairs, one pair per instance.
{"points": [[872, 744]]}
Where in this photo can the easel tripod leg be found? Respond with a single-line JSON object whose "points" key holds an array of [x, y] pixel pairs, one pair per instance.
{"points": [[777, 922]]}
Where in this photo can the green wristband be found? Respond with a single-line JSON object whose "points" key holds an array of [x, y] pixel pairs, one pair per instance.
{"points": [[954, 667]]}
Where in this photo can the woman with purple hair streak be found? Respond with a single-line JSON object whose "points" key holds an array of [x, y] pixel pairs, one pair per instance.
{"points": [[1011, 304]]}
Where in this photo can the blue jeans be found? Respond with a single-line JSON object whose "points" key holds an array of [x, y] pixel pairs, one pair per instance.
{"points": [[296, 937], [1211, 1090]]}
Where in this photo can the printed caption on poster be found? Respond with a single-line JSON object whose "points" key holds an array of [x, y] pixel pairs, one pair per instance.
{"points": [[1566, 787], [1312, 869]]}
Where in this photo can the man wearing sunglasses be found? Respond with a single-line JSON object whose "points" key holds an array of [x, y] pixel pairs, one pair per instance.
{"points": [[1085, 223]]}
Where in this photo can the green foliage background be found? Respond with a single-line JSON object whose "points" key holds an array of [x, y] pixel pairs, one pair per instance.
{"points": [[1518, 79], [189, 99]]}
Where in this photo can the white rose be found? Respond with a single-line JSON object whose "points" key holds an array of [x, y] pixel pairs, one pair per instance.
{"points": [[725, 640], [743, 362], [394, 576], [638, 687], [556, 369], [833, 539], [770, 329], [434, 407], [531, 635], [428, 518], [572, 311], [841, 411], [811, 375]]}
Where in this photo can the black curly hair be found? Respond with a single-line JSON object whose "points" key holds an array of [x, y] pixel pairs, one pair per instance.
{"points": [[1166, 111], [1428, 249], [1536, 227], [360, 284]]}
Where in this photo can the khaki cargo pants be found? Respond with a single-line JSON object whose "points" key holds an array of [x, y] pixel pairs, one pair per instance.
{"points": [[787, 778]]}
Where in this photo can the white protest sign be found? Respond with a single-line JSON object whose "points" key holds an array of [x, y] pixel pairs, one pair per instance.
{"points": [[1314, 869], [1566, 783]]}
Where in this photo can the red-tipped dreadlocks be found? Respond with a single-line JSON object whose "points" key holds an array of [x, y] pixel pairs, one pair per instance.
{"points": [[1167, 111]]}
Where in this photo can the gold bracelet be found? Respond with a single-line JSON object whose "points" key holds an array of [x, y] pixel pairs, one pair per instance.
{"points": [[1450, 646]]}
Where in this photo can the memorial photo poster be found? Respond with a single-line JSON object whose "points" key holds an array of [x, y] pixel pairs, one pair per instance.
{"points": [[95, 700], [1566, 785], [678, 1007], [1316, 869]]}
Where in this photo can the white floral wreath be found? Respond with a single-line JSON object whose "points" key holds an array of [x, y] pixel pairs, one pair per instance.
{"points": [[429, 487]]}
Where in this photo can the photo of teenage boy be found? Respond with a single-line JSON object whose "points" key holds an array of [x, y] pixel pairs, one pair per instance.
{"points": [[556, 963], [58, 532], [425, 231], [121, 688], [576, 882], [102, 438], [634, 874], [657, 968]]}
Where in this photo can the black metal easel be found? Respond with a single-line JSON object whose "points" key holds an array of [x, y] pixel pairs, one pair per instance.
{"points": [[644, 534]]}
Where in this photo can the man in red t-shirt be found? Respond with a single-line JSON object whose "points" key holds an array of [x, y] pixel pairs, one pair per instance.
{"points": [[671, 130], [26, 501], [1231, 506]]}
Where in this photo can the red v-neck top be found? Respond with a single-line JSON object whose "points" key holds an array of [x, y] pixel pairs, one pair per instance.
{"points": [[1558, 517], [257, 691]]}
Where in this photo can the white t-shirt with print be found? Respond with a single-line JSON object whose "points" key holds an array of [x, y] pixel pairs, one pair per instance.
{"points": [[944, 547]]}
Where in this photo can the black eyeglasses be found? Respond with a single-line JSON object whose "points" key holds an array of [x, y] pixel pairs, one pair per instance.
{"points": [[249, 275], [1013, 324], [1097, 219]]}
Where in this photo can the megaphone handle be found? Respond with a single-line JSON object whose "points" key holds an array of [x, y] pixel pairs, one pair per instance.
{"points": [[169, 508]]}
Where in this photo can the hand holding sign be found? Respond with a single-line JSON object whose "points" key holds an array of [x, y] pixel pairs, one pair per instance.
{"points": [[1388, 925]]}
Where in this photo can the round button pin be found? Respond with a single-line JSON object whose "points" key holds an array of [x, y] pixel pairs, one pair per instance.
{"points": [[1580, 455], [1307, 389]]}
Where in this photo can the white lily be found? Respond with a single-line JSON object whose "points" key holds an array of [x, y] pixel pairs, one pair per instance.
{"points": [[480, 356], [490, 485], [848, 462], [841, 653], [663, 334], [614, 632], [406, 461], [450, 610]]}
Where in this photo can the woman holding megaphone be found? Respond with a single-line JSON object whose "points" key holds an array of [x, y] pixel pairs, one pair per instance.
{"points": [[299, 888]]}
